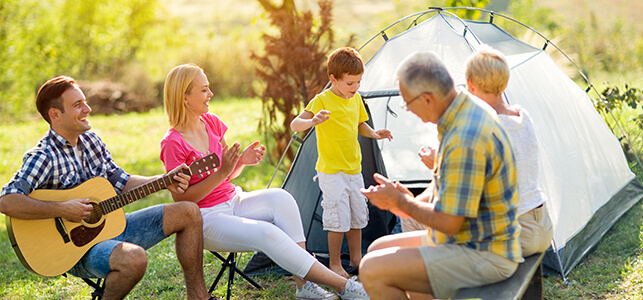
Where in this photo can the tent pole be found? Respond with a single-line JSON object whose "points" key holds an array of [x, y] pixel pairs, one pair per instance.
{"points": [[560, 263], [281, 159]]}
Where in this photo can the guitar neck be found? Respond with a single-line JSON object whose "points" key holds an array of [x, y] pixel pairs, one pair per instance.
{"points": [[139, 192]]}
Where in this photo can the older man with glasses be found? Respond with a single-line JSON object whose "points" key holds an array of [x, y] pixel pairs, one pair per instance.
{"points": [[471, 213]]}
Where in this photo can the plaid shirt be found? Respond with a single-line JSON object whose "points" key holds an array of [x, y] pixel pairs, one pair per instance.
{"points": [[476, 178], [52, 165]]}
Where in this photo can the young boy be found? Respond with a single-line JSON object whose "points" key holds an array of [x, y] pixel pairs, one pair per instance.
{"points": [[339, 115]]}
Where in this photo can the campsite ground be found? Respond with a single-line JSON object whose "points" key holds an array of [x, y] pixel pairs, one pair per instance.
{"points": [[613, 270]]}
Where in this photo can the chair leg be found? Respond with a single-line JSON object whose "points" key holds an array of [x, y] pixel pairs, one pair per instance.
{"points": [[230, 263], [224, 266], [98, 286]]}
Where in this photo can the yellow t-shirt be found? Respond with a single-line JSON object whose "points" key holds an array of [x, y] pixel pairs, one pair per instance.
{"points": [[337, 142]]}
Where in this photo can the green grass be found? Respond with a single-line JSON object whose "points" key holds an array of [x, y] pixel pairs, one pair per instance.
{"points": [[133, 140], [612, 270]]}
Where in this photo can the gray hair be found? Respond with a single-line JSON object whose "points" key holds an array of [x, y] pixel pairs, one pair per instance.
{"points": [[425, 72]]}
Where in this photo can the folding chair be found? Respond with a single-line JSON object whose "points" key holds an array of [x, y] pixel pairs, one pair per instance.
{"points": [[98, 285], [230, 263]]}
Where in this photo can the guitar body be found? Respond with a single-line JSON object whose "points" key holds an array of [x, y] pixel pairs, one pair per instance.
{"points": [[40, 244]]}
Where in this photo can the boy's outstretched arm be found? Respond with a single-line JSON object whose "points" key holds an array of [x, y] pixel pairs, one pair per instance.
{"points": [[365, 130], [307, 119]]}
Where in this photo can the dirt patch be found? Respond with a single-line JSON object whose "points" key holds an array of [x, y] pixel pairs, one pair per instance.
{"points": [[107, 98]]}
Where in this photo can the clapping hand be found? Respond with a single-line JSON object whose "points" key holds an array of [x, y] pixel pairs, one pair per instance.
{"points": [[253, 154], [428, 156], [386, 195], [230, 158]]}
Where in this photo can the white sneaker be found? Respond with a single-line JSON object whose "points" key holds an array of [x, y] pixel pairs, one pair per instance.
{"points": [[311, 291], [354, 290]]}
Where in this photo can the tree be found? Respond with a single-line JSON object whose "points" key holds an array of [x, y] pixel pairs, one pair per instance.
{"points": [[292, 66], [468, 14]]}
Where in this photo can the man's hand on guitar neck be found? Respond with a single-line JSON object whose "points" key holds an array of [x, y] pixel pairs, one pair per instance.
{"points": [[183, 180]]}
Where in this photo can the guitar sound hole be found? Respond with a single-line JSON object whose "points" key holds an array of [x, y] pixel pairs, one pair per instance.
{"points": [[96, 215]]}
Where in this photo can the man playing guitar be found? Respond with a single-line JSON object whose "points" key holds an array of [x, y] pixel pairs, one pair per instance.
{"points": [[70, 155]]}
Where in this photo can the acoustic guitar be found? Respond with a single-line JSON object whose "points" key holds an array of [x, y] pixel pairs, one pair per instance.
{"points": [[50, 247]]}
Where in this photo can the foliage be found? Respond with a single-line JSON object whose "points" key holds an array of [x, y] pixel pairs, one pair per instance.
{"points": [[292, 66], [605, 46], [88, 40], [542, 19], [622, 111], [614, 98], [468, 13]]}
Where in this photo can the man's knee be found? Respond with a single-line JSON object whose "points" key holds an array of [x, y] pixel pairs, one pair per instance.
{"points": [[368, 269], [129, 258], [185, 212]]}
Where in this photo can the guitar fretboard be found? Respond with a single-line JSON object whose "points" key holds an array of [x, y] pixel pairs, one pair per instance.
{"points": [[139, 192]]}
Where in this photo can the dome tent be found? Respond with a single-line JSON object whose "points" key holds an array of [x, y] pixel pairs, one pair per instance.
{"points": [[583, 169]]}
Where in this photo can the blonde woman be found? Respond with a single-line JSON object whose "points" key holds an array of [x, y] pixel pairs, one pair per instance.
{"points": [[265, 220], [487, 75]]}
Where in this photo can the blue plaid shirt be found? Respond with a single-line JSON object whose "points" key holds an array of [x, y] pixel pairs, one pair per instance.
{"points": [[476, 178], [52, 165]]}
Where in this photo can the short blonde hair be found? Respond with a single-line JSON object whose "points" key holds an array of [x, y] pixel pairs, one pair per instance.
{"points": [[345, 61], [178, 84], [487, 68]]}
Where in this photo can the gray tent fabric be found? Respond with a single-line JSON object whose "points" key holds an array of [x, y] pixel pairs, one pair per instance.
{"points": [[583, 169]]}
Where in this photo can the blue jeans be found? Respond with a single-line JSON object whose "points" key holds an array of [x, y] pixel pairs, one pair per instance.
{"points": [[143, 227]]}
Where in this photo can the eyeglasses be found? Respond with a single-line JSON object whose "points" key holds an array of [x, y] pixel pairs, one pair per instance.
{"points": [[405, 105]]}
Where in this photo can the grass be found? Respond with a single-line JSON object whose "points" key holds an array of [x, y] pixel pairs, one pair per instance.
{"points": [[133, 140], [613, 270]]}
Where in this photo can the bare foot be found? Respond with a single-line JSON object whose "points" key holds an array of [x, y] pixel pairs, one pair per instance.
{"points": [[340, 271]]}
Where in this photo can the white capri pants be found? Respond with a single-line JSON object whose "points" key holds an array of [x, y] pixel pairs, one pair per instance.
{"points": [[266, 220]]}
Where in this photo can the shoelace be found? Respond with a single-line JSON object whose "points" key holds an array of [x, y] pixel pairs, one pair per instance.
{"points": [[316, 289], [353, 288]]}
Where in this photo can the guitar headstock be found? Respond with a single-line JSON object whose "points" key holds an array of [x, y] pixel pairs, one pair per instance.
{"points": [[204, 165]]}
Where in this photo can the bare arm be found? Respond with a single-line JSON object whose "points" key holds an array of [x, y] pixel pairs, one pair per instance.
{"points": [[365, 130], [198, 191], [24, 207], [307, 120], [388, 196]]}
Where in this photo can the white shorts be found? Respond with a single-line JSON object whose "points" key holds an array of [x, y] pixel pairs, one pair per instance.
{"points": [[343, 203]]}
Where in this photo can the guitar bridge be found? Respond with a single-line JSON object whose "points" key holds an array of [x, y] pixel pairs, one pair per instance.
{"points": [[60, 226]]}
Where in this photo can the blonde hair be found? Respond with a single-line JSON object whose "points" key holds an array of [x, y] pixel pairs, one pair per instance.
{"points": [[345, 60], [178, 84], [487, 68]]}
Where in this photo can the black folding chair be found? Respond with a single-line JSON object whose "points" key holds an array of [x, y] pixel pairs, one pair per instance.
{"points": [[98, 284], [230, 263]]}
